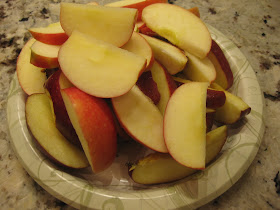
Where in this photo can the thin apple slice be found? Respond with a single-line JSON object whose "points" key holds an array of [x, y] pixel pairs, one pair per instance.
{"points": [[234, 108], [185, 124], [53, 34], [138, 45], [179, 26], [41, 122], [224, 74], [165, 85], [200, 70], [99, 68], [110, 24], [172, 58], [31, 78], [94, 123], [44, 55], [140, 118], [159, 168]]}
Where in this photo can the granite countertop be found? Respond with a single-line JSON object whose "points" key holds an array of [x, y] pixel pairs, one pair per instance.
{"points": [[254, 26]]}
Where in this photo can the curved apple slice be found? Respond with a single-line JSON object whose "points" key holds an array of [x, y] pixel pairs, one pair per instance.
{"points": [[41, 122], [98, 68], [31, 78]]}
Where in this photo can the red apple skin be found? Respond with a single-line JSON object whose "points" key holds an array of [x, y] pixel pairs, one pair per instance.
{"points": [[63, 122], [147, 31], [53, 39], [219, 54], [148, 86], [215, 98], [43, 62], [97, 124], [209, 120]]}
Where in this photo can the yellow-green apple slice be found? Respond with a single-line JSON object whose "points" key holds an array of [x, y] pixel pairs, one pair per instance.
{"points": [[184, 126], [31, 78], [140, 118], [172, 58], [159, 168], [165, 85], [200, 70], [54, 84], [224, 74], [138, 45], [179, 26], [234, 108], [99, 68], [148, 86], [94, 123], [110, 24], [40, 119], [44, 55], [53, 34]]}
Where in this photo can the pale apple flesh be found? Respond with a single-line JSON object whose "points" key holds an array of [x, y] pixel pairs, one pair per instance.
{"points": [[41, 122], [94, 124], [159, 168]]}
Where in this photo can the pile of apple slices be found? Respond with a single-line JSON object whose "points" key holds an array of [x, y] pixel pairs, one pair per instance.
{"points": [[163, 87]]}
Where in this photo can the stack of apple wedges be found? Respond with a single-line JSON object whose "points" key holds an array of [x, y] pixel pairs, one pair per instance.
{"points": [[143, 70]]}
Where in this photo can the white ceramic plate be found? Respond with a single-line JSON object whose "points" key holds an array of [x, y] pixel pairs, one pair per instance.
{"points": [[113, 188]]}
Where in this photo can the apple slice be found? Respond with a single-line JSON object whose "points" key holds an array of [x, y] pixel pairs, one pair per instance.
{"points": [[53, 34], [184, 126], [165, 85], [140, 118], [44, 55], [112, 25], [94, 123], [168, 55], [138, 45], [159, 168], [234, 108], [41, 122], [200, 70], [31, 78], [179, 26], [99, 68], [210, 115], [224, 74]]}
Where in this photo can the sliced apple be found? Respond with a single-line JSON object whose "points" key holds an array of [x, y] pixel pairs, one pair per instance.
{"points": [[168, 55], [94, 123], [140, 118], [53, 34], [112, 25], [149, 87], [210, 115], [138, 45], [234, 108], [44, 55], [200, 70], [31, 78], [159, 168], [165, 85], [185, 124], [99, 68], [224, 74], [41, 122], [179, 26]]}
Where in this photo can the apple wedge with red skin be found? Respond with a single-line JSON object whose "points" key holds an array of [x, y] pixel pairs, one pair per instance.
{"points": [[44, 55], [99, 68], [94, 123], [210, 115], [40, 119], [233, 110], [54, 84], [158, 168], [179, 26], [184, 124], [31, 78], [140, 118], [109, 24], [53, 34], [138, 45]]}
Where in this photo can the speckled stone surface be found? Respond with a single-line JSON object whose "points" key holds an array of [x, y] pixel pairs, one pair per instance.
{"points": [[253, 25]]}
